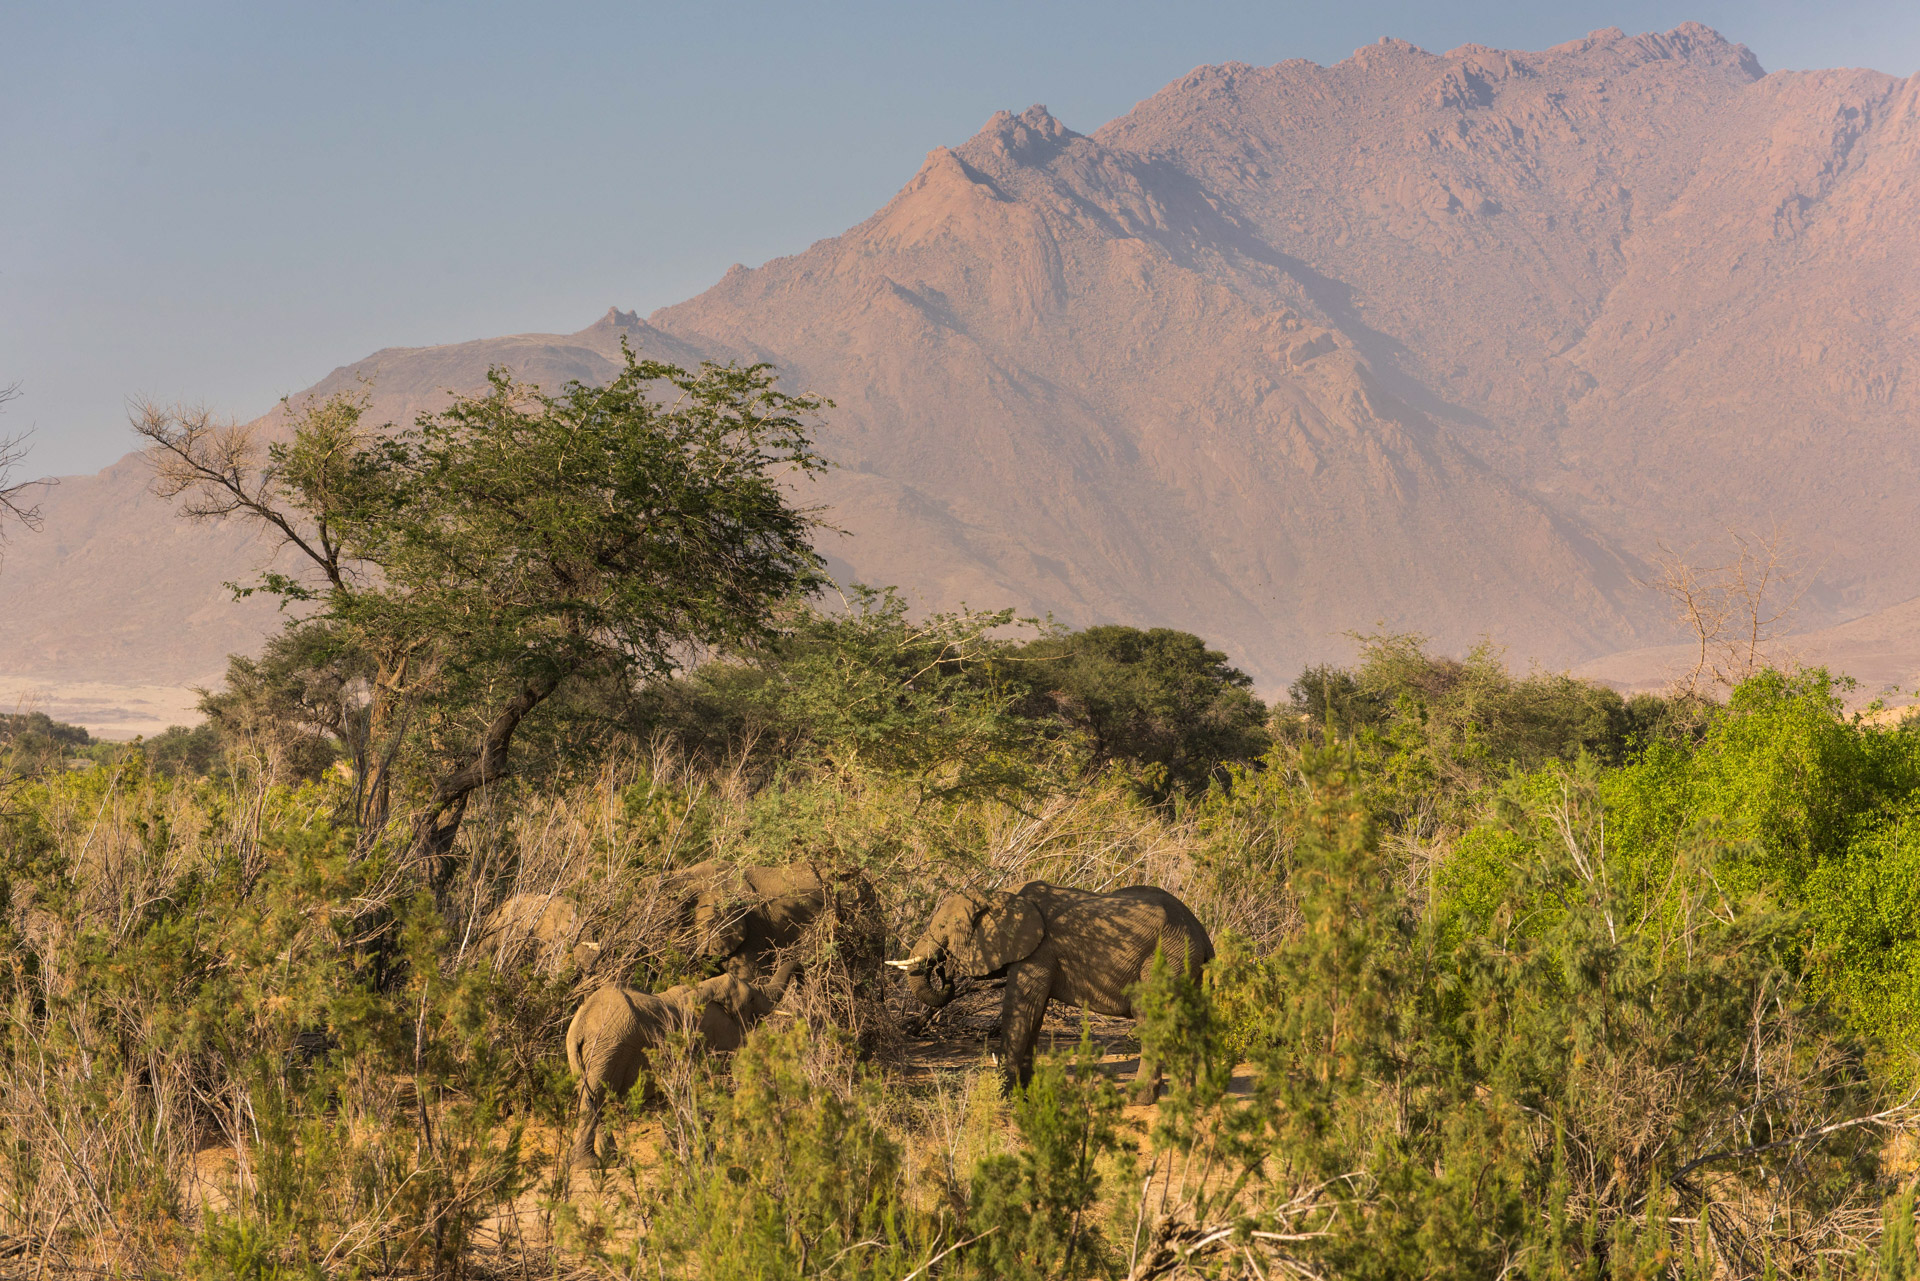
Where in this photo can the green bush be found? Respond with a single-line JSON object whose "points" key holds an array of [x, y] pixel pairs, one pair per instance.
{"points": [[182, 750], [780, 1177], [1034, 1212], [1521, 1072], [1491, 995], [32, 742], [1158, 701]]}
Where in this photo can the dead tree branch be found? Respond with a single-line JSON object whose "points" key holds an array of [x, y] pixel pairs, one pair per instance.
{"points": [[1736, 609]]}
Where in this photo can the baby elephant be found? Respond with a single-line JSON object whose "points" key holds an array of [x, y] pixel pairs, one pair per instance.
{"points": [[608, 1040]]}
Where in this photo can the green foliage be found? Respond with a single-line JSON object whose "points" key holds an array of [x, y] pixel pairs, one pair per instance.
{"points": [[952, 702], [870, 687], [1782, 797], [195, 751], [464, 571], [541, 535], [1174, 711], [1475, 718], [1899, 1254], [32, 742], [297, 702], [1782, 768], [1502, 986], [1034, 1211], [1333, 697], [233, 996], [783, 1178], [1865, 907], [16, 728], [1512, 1071]]}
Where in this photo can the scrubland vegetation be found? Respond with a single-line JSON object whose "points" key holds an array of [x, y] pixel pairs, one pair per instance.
{"points": [[1529, 979], [1516, 977]]}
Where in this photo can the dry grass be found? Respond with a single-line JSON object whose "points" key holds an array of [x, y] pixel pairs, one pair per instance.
{"points": [[133, 1131], [128, 1130]]}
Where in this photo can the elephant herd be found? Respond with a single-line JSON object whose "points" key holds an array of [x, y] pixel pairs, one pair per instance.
{"points": [[1050, 943]]}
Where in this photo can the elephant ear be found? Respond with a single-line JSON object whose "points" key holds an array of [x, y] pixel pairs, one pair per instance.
{"points": [[720, 922], [1006, 928], [724, 988]]}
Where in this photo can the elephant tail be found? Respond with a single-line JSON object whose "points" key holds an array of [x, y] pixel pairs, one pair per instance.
{"points": [[576, 1037]]}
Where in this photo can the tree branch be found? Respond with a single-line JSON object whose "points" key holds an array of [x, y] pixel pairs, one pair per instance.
{"points": [[218, 468]]}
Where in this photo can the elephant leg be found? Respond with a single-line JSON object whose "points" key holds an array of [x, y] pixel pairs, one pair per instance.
{"points": [[584, 1133], [1022, 1007], [1146, 1082]]}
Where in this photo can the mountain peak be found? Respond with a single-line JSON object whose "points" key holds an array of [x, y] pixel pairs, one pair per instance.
{"points": [[1693, 43], [1033, 137], [1436, 342]]}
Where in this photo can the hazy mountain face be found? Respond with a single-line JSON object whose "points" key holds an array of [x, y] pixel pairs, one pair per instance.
{"points": [[1444, 342]]}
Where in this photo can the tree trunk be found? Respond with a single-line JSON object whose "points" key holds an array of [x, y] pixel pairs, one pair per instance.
{"points": [[439, 824], [377, 734]]}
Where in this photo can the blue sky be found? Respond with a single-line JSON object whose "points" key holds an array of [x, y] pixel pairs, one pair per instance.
{"points": [[220, 202]]}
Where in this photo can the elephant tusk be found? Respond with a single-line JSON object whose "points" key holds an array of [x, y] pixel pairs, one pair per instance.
{"points": [[912, 965]]}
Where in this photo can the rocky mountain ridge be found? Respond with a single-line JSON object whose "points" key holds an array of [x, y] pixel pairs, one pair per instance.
{"points": [[1442, 342]]}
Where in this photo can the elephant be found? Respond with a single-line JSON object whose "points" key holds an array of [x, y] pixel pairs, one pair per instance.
{"points": [[612, 1031], [743, 915], [547, 924], [1055, 944]]}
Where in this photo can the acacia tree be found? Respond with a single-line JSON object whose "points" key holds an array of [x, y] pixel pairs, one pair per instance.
{"points": [[460, 573]]}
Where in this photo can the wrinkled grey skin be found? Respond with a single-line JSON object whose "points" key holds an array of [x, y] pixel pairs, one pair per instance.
{"points": [[611, 1033], [547, 926], [1055, 944], [743, 915]]}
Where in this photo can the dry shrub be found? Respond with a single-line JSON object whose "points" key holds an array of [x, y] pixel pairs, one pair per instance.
{"points": [[143, 912]]}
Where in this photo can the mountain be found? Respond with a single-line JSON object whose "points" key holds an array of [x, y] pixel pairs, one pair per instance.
{"points": [[1444, 342]]}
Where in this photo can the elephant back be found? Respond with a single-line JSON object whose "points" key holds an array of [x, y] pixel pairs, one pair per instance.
{"points": [[752, 912], [549, 927], [1180, 932], [683, 889], [610, 1026], [802, 879]]}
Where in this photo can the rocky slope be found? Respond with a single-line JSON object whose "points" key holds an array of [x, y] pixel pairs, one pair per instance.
{"points": [[1441, 342]]}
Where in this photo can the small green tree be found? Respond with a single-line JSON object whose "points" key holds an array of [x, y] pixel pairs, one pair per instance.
{"points": [[1157, 699], [513, 543], [1034, 1211], [785, 1177]]}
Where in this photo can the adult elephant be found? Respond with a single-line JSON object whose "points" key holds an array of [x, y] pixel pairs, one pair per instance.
{"points": [[741, 916], [1055, 944], [614, 1029]]}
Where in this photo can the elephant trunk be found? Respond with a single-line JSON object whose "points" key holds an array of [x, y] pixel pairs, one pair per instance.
{"points": [[927, 976], [929, 995], [781, 977]]}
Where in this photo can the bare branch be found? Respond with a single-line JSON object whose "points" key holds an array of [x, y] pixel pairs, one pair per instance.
{"points": [[1898, 1114], [220, 470], [1735, 609], [13, 500]]}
